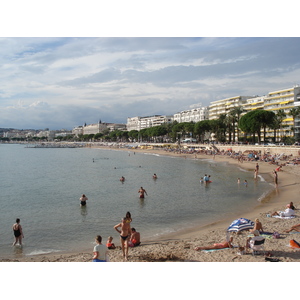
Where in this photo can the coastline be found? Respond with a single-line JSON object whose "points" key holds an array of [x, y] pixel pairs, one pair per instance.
{"points": [[180, 246]]}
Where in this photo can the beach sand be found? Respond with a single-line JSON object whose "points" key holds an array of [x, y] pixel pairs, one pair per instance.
{"points": [[179, 247]]}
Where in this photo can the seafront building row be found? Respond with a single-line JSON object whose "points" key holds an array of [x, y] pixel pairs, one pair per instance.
{"points": [[277, 100], [284, 99]]}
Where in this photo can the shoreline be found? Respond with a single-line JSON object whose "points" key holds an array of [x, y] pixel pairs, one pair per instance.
{"points": [[179, 246]]}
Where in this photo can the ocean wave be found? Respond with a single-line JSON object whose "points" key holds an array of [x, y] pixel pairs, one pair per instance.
{"points": [[38, 252], [264, 195]]}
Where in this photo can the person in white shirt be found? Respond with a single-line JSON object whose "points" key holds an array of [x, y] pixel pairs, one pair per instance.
{"points": [[100, 251], [287, 213]]}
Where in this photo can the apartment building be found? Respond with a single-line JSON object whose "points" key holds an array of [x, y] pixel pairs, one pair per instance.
{"points": [[284, 100], [253, 103], [139, 123], [224, 106], [193, 115]]}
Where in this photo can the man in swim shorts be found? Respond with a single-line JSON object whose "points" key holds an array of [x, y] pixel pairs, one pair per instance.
{"points": [[83, 200], [135, 237], [142, 192], [125, 233]]}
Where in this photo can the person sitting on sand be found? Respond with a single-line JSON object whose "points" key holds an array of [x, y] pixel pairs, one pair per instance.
{"points": [[135, 237], [257, 226], [292, 206], [250, 241], [225, 244], [294, 227], [287, 213], [110, 244]]}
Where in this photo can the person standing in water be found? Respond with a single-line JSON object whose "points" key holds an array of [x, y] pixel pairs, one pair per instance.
{"points": [[83, 200], [142, 192], [18, 232]]}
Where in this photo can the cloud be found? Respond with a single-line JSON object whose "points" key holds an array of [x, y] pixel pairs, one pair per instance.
{"points": [[64, 82]]}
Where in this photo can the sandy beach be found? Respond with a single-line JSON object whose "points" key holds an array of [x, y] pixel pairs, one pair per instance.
{"points": [[179, 247]]}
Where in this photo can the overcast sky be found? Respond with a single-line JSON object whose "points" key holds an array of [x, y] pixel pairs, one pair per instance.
{"points": [[65, 82], [134, 59]]}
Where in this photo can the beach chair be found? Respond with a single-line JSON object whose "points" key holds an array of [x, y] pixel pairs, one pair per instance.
{"points": [[258, 247]]}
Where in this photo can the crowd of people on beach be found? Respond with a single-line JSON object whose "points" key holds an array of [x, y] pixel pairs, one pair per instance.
{"points": [[257, 235]]}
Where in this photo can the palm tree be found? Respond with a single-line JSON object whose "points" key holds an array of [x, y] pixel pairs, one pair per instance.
{"points": [[294, 112], [280, 117], [236, 113]]}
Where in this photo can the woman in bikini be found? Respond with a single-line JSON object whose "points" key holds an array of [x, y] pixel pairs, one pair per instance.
{"points": [[18, 233], [125, 233]]}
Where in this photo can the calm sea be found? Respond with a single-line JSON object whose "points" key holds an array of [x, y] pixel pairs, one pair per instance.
{"points": [[42, 187]]}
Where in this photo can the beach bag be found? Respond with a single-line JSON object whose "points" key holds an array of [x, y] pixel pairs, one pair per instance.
{"points": [[275, 235]]}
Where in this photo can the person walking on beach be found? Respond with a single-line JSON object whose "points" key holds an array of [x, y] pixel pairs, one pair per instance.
{"points": [[142, 192], [257, 168], [275, 178], [18, 232], [100, 251], [125, 233], [83, 200]]}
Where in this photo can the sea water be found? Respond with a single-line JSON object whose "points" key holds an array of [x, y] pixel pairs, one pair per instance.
{"points": [[42, 187]]}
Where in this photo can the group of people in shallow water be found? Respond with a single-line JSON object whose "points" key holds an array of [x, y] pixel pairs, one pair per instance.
{"points": [[129, 237]]}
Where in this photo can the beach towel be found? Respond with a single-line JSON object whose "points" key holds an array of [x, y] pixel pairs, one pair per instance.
{"points": [[265, 235], [286, 218], [212, 250]]}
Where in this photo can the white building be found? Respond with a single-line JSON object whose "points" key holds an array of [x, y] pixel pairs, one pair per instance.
{"points": [[224, 106], [139, 123], [193, 115]]}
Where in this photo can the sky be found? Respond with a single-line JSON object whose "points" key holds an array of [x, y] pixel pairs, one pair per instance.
{"points": [[50, 80]]}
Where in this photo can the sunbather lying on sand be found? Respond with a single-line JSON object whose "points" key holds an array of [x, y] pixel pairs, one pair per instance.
{"points": [[225, 244], [295, 227]]}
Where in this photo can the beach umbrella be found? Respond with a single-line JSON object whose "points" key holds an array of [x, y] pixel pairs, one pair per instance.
{"points": [[240, 224]]}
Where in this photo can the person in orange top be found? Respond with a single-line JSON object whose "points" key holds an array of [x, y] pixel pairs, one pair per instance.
{"points": [[110, 244]]}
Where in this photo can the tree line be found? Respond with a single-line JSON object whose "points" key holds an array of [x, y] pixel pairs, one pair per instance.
{"points": [[248, 128]]}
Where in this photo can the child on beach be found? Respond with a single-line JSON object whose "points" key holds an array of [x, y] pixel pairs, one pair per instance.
{"points": [[110, 244]]}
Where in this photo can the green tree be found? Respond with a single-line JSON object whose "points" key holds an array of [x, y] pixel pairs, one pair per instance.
{"points": [[253, 121], [235, 115], [201, 128], [280, 116], [294, 112]]}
